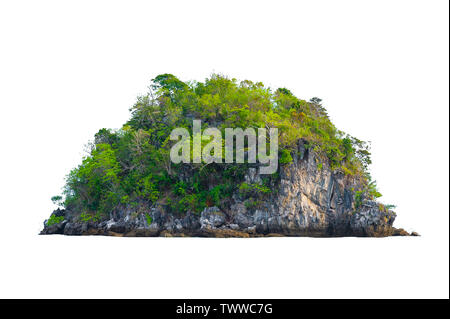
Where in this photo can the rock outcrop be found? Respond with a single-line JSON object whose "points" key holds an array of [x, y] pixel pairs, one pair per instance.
{"points": [[309, 200]]}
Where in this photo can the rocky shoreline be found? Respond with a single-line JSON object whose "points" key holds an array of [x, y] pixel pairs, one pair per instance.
{"points": [[121, 230]]}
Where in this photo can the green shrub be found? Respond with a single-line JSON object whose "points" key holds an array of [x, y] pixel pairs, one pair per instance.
{"points": [[254, 189], [54, 220], [85, 217], [358, 199], [285, 157], [148, 218], [373, 191], [252, 203]]}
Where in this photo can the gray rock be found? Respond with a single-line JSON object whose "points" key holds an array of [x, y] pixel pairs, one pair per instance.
{"points": [[212, 217], [119, 227]]}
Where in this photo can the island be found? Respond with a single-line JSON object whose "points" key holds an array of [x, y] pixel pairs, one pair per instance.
{"points": [[286, 170]]}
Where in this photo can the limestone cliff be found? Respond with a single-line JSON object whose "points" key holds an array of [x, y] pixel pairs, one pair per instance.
{"points": [[308, 200]]}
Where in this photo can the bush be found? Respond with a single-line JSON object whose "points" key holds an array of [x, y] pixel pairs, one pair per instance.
{"points": [[285, 157], [256, 189], [85, 217], [148, 219], [53, 220]]}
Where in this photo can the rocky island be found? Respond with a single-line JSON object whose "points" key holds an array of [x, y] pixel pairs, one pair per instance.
{"points": [[128, 186]]}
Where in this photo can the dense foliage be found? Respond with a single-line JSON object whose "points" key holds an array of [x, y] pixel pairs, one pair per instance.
{"points": [[131, 166]]}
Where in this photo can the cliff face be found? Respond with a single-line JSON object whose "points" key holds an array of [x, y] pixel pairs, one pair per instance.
{"points": [[309, 200], [312, 200]]}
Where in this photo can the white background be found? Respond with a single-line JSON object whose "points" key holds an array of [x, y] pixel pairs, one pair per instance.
{"points": [[69, 68]]}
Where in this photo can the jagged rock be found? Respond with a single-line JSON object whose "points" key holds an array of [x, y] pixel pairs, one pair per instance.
{"points": [[54, 229], [119, 227], [212, 217], [59, 212], [252, 176], [72, 229], [400, 232]]}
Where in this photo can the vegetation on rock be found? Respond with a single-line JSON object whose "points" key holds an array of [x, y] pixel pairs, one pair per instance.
{"points": [[130, 167]]}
